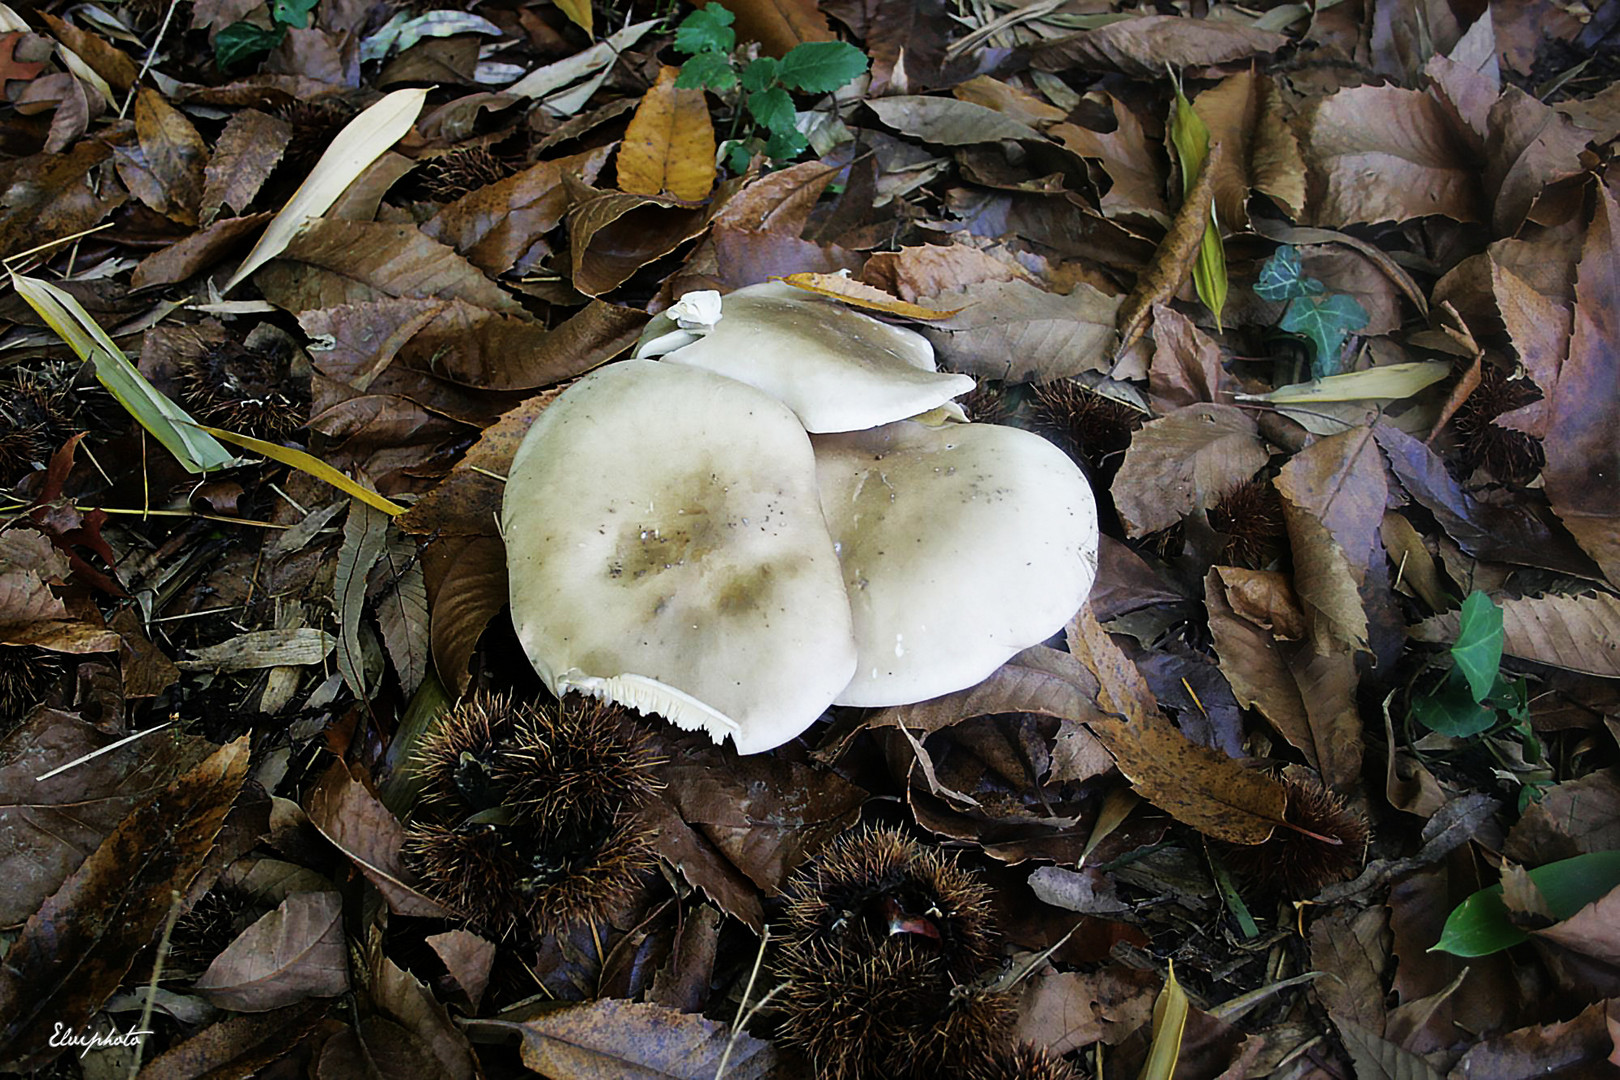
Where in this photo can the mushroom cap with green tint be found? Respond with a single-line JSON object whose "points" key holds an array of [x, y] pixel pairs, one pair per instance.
{"points": [[961, 545], [838, 369], [666, 550]]}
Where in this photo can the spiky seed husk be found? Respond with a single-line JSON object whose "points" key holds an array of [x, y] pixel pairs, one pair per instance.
{"points": [[1297, 864], [456, 759], [463, 171], [1023, 1062], [213, 922], [506, 877], [314, 125], [37, 415], [1093, 428], [26, 676], [1251, 517], [882, 940], [244, 390], [1511, 456], [988, 403]]}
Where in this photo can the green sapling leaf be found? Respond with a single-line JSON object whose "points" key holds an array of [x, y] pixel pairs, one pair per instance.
{"points": [[773, 108], [1327, 321], [706, 29], [1482, 925], [1478, 651], [1450, 709], [243, 40], [707, 71], [820, 67], [786, 145], [760, 74]]}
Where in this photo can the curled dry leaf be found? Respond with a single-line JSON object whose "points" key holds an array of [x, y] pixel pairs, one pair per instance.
{"points": [[1184, 462], [294, 952], [467, 587], [613, 234], [669, 146], [858, 294], [1245, 115], [1177, 253], [73, 952], [1146, 45], [361, 827]]}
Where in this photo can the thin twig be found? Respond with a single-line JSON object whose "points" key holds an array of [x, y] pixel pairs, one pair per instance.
{"points": [[157, 972], [744, 1016], [151, 54]]}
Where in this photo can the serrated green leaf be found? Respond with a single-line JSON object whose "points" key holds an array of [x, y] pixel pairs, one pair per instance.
{"points": [[760, 74], [1481, 924], [707, 71], [1450, 709], [242, 41], [292, 12], [1478, 652], [1327, 321], [707, 29], [786, 145], [820, 67], [773, 108]]}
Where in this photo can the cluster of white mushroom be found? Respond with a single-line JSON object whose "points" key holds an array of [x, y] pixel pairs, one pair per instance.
{"points": [[786, 511]]}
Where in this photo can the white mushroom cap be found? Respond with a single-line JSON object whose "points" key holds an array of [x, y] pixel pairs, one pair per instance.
{"points": [[961, 545], [838, 369], [667, 551]]}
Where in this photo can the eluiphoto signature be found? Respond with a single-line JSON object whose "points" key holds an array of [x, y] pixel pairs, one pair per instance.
{"points": [[96, 1040]]}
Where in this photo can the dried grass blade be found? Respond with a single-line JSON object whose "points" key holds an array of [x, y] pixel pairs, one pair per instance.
{"points": [[169, 423], [310, 464], [361, 142]]}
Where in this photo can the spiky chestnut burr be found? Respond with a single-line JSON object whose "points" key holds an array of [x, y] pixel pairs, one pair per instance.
{"points": [[1023, 1062], [462, 172], [244, 390], [1511, 456], [529, 812], [26, 676], [1251, 517], [37, 416], [1322, 840], [883, 942], [1093, 428]]}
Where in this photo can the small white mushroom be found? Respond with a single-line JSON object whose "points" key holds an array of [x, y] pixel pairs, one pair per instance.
{"points": [[961, 545], [666, 550], [838, 369]]}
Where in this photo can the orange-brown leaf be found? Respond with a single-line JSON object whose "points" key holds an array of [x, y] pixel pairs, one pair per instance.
{"points": [[669, 145], [1174, 260], [857, 293]]}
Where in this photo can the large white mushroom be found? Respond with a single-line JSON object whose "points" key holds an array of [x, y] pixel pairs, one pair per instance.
{"points": [[961, 545], [666, 550], [838, 369]]}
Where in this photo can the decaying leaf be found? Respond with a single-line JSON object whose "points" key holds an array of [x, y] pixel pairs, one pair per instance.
{"points": [[1177, 253], [1017, 331], [1183, 462], [294, 952], [362, 828], [1147, 44]]}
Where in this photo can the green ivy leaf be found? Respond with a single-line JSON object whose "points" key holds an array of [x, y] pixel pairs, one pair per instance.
{"points": [[1327, 321], [1481, 924], [786, 145], [772, 108], [1450, 709], [1283, 277], [760, 74], [292, 12], [707, 29], [707, 71], [242, 41], [820, 67], [1478, 651]]}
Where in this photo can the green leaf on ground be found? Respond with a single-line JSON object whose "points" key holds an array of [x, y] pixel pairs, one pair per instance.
{"points": [[1481, 924], [1478, 652], [1327, 321]]}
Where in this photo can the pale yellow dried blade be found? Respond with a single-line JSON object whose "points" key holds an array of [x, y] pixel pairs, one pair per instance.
{"points": [[361, 142], [312, 465], [1169, 1024], [1387, 382], [169, 423], [11, 22]]}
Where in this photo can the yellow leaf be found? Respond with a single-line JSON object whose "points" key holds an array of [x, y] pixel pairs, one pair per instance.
{"points": [[310, 464], [669, 145], [861, 295], [361, 142], [1387, 382], [1169, 1023], [578, 12]]}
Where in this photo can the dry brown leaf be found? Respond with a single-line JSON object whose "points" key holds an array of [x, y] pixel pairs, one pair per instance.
{"points": [[108, 61], [1245, 113], [1583, 455], [1013, 102], [244, 157], [1532, 146], [1325, 580], [467, 581], [1129, 158], [1173, 261], [858, 294], [239, 1045], [779, 202], [1339, 481], [1186, 365], [1184, 462], [1539, 327], [1352, 948], [669, 146], [614, 234], [409, 1003], [1571, 818], [501, 225], [1017, 331], [1064, 1011], [913, 273], [1583, 1044], [361, 827], [1574, 632], [1386, 154], [1121, 689], [614, 1038], [779, 25], [74, 951], [468, 959], [948, 121], [294, 952], [175, 154], [1145, 45], [197, 252]]}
